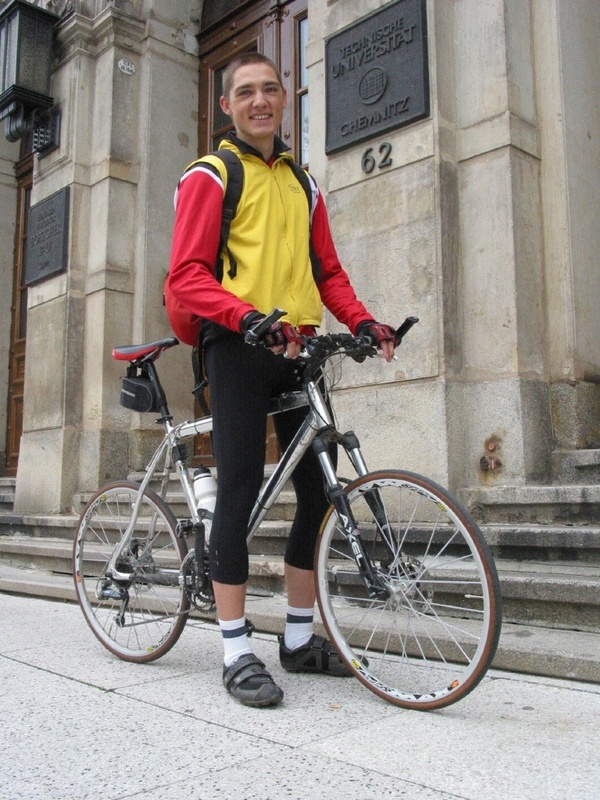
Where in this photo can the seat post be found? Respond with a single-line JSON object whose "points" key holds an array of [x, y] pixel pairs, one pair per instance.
{"points": [[163, 408]]}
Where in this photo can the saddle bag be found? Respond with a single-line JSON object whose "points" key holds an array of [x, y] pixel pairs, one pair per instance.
{"points": [[138, 393]]}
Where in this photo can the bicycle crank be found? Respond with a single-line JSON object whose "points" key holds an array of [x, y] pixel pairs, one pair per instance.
{"points": [[196, 582]]}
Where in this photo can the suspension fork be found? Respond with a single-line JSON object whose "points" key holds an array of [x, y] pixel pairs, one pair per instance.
{"points": [[335, 491], [373, 497], [339, 501]]}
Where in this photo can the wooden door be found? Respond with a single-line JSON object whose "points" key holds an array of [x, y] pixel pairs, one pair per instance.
{"points": [[279, 31], [18, 332]]}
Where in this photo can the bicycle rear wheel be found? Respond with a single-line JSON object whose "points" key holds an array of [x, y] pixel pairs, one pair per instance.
{"points": [[141, 618], [430, 639]]}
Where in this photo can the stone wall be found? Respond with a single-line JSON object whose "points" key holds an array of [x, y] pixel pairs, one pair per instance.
{"points": [[126, 83], [458, 230], [484, 226]]}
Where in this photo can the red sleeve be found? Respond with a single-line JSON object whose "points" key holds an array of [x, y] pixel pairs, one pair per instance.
{"points": [[196, 233], [334, 284]]}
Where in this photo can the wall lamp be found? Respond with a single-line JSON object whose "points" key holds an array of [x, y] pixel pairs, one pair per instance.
{"points": [[26, 34]]}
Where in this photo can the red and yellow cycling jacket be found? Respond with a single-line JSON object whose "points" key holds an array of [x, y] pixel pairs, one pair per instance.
{"points": [[269, 239]]}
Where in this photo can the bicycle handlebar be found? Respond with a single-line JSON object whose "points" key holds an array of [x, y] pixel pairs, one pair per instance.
{"points": [[404, 328], [316, 349], [330, 343]]}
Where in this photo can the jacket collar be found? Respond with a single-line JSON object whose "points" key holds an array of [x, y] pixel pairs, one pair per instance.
{"points": [[279, 149]]}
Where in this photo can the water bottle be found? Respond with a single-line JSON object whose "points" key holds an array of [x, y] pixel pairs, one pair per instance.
{"points": [[205, 492]]}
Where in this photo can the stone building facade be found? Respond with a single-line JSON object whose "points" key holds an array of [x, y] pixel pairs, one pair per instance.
{"points": [[483, 223]]}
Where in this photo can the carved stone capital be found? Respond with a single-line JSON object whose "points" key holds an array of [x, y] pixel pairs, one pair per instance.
{"points": [[90, 8]]}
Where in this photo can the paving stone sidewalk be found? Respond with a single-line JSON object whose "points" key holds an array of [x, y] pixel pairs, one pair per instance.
{"points": [[75, 722]]}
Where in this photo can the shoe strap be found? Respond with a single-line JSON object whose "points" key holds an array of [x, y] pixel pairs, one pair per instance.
{"points": [[247, 666]]}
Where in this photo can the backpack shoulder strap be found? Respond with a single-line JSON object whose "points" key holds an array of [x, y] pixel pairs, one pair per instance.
{"points": [[233, 192], [231, 198], [305, 182], [234, 184]]}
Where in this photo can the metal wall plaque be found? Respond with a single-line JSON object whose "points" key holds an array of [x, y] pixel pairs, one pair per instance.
{"points": [[46, 251], [377, 75]]}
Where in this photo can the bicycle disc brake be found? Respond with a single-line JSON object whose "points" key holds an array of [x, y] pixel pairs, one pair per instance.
{"points": [[406, 581]]}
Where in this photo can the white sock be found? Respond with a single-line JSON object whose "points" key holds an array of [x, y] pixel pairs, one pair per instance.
{"points": [[235, 639], [298, 627]]}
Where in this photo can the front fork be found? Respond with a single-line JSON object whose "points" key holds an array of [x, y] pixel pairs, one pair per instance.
{"points": [[339, 500]]}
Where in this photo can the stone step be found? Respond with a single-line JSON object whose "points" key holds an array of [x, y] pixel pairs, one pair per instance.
{"points": [[566, 596], [40, 526], [576, 466], [567, 504], [543, 543], [7, 493], [55, 556], [546, 544], [571, 654], [283, 507]]}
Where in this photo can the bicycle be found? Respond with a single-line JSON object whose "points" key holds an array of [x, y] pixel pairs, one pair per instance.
{"points": [[406, 584]]}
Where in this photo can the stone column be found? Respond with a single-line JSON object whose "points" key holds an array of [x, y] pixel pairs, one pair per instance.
{"points": [[386, 227], [498, 411], [567, 80], [452, 232], [126, 84]]}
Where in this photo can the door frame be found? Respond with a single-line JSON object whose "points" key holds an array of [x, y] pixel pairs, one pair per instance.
{"points": [[18, 325]]}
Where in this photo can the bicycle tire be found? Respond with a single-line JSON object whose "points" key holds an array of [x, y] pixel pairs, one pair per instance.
{"points": [[430, 641], [145, 625]]}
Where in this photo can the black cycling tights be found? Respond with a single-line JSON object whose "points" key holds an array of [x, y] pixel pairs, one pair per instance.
{"points": [[242, 380]]}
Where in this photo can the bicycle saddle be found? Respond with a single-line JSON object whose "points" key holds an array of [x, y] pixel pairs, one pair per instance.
{"points": [[147, 352]]}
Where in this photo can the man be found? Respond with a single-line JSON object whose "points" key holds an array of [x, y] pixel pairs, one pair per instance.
{"points": [[269, 243]]}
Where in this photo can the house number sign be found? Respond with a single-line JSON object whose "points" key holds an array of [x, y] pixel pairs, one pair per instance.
{"points": [[380, 157]]}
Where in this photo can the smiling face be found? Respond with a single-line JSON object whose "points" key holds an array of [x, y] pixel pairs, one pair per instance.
{"points": [[255, 104]]}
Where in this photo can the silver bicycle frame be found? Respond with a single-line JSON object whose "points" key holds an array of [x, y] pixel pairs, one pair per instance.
{"points": [[317, 419], [173, 435]]}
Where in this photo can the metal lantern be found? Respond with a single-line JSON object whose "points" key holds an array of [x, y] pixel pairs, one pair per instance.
{"points": [[26, 35]]}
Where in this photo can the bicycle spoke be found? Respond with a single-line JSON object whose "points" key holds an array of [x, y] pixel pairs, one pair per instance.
{"points": [[430, 641], [138, 619]]}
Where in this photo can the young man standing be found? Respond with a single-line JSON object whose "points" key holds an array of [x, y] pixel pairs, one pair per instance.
{"points": [[269, 242]]}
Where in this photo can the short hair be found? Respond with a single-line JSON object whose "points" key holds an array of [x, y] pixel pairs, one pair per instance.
{"points": [[241, 61]]}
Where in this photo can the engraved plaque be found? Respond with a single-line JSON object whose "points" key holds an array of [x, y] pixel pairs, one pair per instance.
{"points": [[377, 76], [46, 250]]}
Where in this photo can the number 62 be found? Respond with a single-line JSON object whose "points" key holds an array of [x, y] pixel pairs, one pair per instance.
{"points": [[368, 161]]}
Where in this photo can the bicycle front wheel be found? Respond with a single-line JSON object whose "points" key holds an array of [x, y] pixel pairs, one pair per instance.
{"points": [[141, 617], [429, 636]]}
